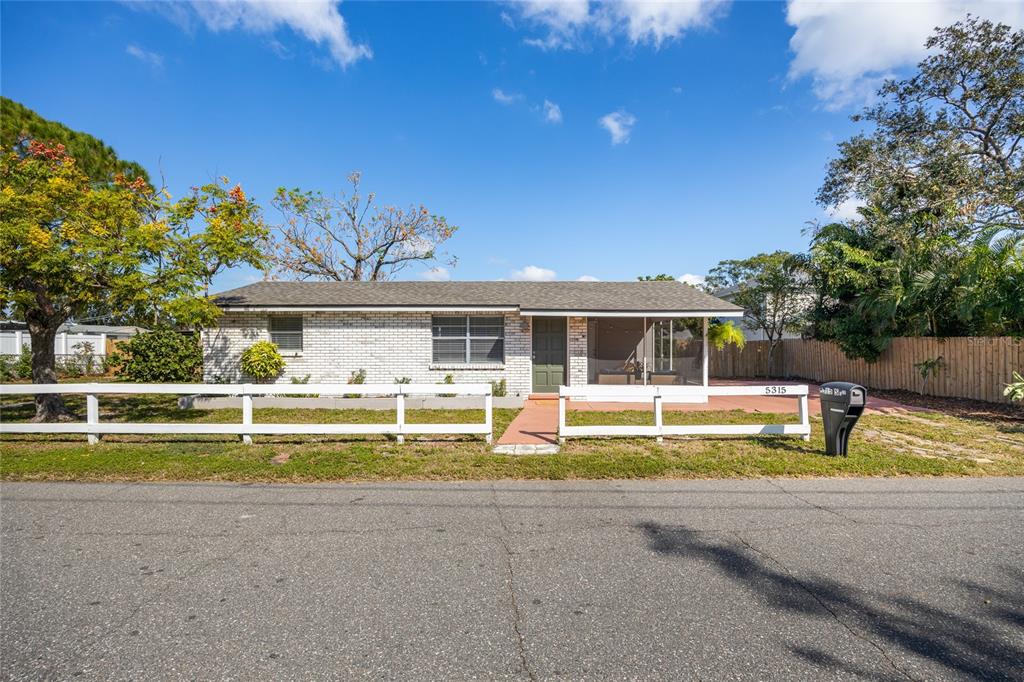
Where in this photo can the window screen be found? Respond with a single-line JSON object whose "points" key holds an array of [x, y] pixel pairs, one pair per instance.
{"points": [[469, 339], [286, 332]]}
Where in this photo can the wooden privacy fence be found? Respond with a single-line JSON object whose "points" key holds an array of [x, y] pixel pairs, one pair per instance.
{"points": [[970, 367], [93, 428]]}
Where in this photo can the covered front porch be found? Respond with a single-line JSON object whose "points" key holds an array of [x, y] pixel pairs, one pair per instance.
{"points": [[623, 351], [605, 349]]}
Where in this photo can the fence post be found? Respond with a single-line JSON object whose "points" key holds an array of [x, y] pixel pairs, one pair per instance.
{"points": [[400, 409], [804, 416], [658, 422], [489, 416], [92, 415], [247, 412], [561, 418]]}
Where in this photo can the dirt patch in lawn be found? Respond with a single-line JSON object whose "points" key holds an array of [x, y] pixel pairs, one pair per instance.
{"points": [[957, 407]]}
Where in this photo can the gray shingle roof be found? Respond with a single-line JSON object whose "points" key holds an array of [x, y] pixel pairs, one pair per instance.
{"points": [[626, 297]]}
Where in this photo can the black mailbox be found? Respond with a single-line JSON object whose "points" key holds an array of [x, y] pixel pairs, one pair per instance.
{"points": [[841, 406]]}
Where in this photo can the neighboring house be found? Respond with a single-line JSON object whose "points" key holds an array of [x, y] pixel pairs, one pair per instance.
{"points": [[534, 335], [752, 332], [14, 335]]}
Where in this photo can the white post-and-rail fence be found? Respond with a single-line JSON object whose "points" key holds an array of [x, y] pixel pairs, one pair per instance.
{"points": [[94, 429], [681, 394]]}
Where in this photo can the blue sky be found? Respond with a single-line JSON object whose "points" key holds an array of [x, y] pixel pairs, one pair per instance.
{"points": [[565, 139]]}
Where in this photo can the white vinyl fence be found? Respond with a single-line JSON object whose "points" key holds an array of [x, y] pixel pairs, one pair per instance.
{"points": [[659, 395], [11, 343], [94, 429]]}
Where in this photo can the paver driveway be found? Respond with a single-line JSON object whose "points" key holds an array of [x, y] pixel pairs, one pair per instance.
{"points": [[837, 579]]}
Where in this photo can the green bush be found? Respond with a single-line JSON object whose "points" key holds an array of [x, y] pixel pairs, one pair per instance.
{"points": [[262, 361], [499, 389], [1015, 389], [161, 355], [357, 377], [22, 366], [16, 366]]}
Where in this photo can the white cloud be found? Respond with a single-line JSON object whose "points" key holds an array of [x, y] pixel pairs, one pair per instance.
{"points": [[153, 59], [846, 210], [619, 125], [532, 273], [691, 279], [587, 278], [849, 48], [552, 112], [319, 21], [657, 22], [565, 23], [506, 98], [437, 274]]}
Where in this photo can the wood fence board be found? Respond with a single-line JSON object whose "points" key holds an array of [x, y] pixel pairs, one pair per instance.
{"points": [[972, 367]]}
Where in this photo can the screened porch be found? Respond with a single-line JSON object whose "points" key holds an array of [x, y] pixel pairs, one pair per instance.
{"points": [[647, 351]]}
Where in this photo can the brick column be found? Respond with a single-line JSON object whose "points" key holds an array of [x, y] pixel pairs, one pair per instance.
{"points": [[577, 351]]}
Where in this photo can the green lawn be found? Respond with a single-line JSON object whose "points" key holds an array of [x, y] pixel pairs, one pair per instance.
{"points": [[925, 444]]}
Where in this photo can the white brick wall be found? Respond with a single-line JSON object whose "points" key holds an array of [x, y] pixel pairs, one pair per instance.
{"points": [[386, 345]]}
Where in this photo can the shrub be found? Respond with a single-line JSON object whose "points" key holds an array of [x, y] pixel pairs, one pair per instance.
{"points": [[298, 381], [262, 361], [448, 379], [499, 389], [1015, 389], [403, 380], [357, 377], [22, 366], [161, 355]]}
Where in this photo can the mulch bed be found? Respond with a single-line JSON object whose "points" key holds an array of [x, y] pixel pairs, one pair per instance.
{"points": [[957, 407]]}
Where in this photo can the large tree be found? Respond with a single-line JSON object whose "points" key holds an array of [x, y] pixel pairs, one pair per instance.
{"points": [[944, 153], [351, 237], [772, 288], [68, 244], [93, 157], [937, 247]]}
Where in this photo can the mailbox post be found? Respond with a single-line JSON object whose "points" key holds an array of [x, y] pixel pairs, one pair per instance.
{"points": [[842, 403]]}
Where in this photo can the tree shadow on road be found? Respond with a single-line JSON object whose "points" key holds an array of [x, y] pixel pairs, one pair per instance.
{"points": [[987, 644]]}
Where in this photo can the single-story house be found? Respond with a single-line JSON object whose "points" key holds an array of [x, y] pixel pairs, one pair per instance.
{"points": [[534, 335]]}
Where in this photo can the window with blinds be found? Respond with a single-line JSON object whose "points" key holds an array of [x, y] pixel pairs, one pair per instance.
{"points": [[286, 332], [468, 339]]}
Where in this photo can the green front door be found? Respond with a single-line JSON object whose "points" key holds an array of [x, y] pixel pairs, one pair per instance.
{"points": [[548, 354]]}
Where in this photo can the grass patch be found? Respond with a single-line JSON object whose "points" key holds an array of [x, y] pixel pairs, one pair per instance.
{"points": [[882, 445]]}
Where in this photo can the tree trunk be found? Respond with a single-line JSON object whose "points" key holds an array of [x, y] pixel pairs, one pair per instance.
{"points": [[49, 407]]}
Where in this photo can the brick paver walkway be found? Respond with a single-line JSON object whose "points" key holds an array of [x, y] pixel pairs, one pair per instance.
{"points": [[537, 424]]}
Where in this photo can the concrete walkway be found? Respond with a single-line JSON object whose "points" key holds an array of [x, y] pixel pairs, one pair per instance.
{"points": [[535, 429]]}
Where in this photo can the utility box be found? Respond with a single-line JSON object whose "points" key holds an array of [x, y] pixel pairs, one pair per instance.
{"points": [[842, 403]]}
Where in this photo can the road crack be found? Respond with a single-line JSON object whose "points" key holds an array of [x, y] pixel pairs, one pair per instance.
{"points": [[826, 606], [517, 617]]}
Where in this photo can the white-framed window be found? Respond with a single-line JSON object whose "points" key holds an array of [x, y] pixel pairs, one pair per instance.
{"points": [[286, 332], [465, 338]]}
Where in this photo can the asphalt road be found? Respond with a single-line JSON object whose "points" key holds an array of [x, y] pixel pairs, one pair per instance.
{"points": [[718, 580]]}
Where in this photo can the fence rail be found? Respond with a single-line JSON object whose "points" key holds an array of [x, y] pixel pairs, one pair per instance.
{"points": [[658, 395], [970, 367], [93, 428]]}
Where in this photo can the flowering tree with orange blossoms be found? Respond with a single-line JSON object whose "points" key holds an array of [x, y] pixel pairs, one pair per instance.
{"points": [[68, 244]]}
